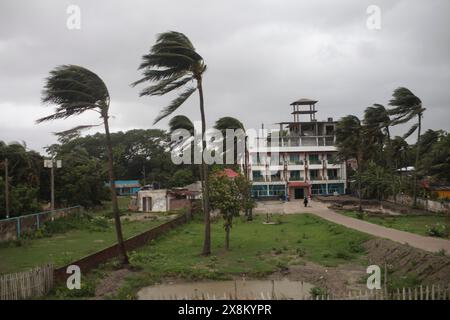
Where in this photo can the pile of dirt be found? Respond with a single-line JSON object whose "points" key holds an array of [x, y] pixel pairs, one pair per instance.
{"points": [[403, 260], [111, 283], [337, 280]]}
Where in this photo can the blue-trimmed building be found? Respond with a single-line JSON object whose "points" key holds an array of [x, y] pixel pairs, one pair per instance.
{"points": [[127, 187], [304, 163]]}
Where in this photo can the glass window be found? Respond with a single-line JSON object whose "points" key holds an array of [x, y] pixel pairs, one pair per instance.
{"points": [[332, 174], [314, 159], [313, 174], [336, 187], [319, 189], [277, 190], [295, 175]]}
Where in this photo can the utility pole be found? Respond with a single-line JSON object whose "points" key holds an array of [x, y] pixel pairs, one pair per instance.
{"points": [[51, 164], [52, 187], [6, 188]]}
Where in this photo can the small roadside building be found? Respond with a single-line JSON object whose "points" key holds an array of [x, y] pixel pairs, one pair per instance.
{"points": [[162, 200], [127, 187]]}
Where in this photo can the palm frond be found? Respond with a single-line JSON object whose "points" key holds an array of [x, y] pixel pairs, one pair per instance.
{"points": [[175, 104], [181, 122], [76, 129], [411, 131], [73, 89]]}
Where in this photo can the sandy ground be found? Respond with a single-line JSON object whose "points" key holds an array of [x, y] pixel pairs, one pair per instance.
{"points": [[321, 210]]}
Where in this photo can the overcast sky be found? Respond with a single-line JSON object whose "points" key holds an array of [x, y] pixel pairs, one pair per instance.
{"points": [[261, 55]]}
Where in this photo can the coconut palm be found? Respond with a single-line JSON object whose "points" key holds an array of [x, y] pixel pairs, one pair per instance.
{"points": [[407, 106], [75, 90], [377, 122], [173, 64], [351, 141], [224, 123]]}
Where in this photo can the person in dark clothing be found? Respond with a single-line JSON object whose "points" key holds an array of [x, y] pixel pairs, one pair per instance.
{"points": [[305, 201]]}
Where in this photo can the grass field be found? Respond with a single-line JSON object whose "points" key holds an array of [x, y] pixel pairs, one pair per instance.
{"points": [[414, 224], [62, 248], [256, 249]]}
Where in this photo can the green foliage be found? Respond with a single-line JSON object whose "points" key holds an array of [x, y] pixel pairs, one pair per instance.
{"points": [[182, 178], [75, 222], [24, 171], [438, 230], [317, 292], [229, 196]]}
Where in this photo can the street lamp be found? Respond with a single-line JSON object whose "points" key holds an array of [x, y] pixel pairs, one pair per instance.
{"points": [[51, 164]]}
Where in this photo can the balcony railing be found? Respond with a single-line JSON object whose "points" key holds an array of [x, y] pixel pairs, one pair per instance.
{"points": [[298, 141]]}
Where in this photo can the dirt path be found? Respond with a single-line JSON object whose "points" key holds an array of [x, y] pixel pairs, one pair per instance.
{"points": [[321, 210]]}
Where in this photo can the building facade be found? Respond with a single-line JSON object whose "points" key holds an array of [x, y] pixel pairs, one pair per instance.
{"points": [[299, 159]]}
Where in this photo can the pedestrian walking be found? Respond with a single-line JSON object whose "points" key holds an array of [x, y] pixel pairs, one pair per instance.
{"points": [[305, 201]]}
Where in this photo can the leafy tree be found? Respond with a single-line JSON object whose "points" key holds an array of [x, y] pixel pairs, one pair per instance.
{"points": [[172, 64], [352, 142], [436, 163], [24, 178], [75, 90], [229, 196], [182, 178], [407, 106], [376, 181]]}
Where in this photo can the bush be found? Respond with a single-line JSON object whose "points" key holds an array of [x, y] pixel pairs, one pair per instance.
{"points": [[438, 230], [356, 247], [317, 292]]}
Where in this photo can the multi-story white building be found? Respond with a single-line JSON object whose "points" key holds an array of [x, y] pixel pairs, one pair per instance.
{"points": [[302, 162]]}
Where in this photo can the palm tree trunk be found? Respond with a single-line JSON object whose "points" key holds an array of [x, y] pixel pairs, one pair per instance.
{"points": [[249, 212], [358, 163], [115, 205], [207, 240], [417, 161]]}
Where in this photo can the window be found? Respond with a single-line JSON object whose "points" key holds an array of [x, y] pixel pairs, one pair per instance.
{"points": [[314, 174], [277, 190], [331, 158], [295, 159], [257, 175], [332, 174], [276, 176], [336, 187], [318, 189], [295, 176], [314, 159], [258, 191]]}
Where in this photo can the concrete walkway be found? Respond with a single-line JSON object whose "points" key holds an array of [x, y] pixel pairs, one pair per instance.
{"points": [[321, 210]]}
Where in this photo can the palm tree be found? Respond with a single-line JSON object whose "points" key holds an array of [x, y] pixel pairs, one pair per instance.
{"points": [[351, 143], [407, 106], [182, 122], [377, 122], [172, 64], [75, 90], [224, 123]]}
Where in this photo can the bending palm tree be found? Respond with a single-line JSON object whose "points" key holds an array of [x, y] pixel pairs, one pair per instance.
{"points": [[406, 107], [377, 122], [173, 63], [225, 123], [75, 90], [350, 141]]}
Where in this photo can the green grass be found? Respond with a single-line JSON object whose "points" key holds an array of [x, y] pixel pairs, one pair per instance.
{"points": [[62, 248], [256, 250], [410, 223]]}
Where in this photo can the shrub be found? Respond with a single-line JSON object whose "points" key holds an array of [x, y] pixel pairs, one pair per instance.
{"points": [[438, 230], [317, 292], [355, 247]]}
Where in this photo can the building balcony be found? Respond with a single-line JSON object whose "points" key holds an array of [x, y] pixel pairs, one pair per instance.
{"points": [[298, 141]]}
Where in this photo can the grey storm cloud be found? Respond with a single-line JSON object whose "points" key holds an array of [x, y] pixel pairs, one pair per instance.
{"points": [[261, 55]]}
